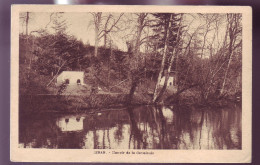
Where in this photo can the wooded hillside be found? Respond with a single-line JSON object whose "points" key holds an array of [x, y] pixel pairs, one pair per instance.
{"points": [[204, 57]]}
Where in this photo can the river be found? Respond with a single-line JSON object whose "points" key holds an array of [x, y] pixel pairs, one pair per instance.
{"points": [[142, 127]]}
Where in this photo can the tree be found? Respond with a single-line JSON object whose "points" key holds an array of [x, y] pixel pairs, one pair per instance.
{"points": [[24, 18], [234, 30], [27, 20], [59, 51], [169, 25], [135, 61], [102, 29]]}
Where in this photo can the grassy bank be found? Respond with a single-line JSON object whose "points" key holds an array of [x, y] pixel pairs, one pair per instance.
{"points": [[55, 103]]}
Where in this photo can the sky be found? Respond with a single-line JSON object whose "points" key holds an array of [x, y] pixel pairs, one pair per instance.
{"points": [[78, 24], [81, 26]]}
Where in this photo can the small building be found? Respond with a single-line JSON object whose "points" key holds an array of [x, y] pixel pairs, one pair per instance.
{"points": [[170, 80], [71, 78]]}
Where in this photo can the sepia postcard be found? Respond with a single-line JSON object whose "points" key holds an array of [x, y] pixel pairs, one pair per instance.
{"points": [[142, 84]]}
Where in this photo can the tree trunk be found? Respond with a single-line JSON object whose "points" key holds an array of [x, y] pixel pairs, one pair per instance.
{"points": [[27, 42], [96, 43], [159, 96], [109, 67], [31, 54], [97, 21], [135, 60], [27, 20], [176, 72], [132, 90], [155, 95], [56, 74], [167, 75], [105, 40], [225, 76], [174, 55], [231, 30]]}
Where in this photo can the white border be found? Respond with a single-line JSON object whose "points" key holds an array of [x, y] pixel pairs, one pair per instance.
{"points": [[159, 156]]}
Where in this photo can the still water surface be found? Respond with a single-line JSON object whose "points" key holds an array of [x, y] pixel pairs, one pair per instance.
{"points": [[144, 127]]}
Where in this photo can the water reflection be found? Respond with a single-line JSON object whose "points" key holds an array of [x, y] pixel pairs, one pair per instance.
{"points": [[70, 123], [143, 127]]}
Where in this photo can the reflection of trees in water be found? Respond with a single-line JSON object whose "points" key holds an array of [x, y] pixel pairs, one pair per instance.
{"points": [[191, 129], [35, 132], [149, 129], [209, 128], [41, 131], [159, 128], [71, 140], [119, 133], [228, 132], [105, 129], [141, 127], [135, 133], [183, 127]]}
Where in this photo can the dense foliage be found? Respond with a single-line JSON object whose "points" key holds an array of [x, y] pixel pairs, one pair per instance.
{"points": [[204, 68]]}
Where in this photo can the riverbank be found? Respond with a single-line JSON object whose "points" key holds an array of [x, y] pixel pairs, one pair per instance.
{"points": [[85, 103], [71, 103]]}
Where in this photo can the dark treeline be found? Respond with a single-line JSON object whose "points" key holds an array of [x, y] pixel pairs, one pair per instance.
{"points": [[205, 60]]}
